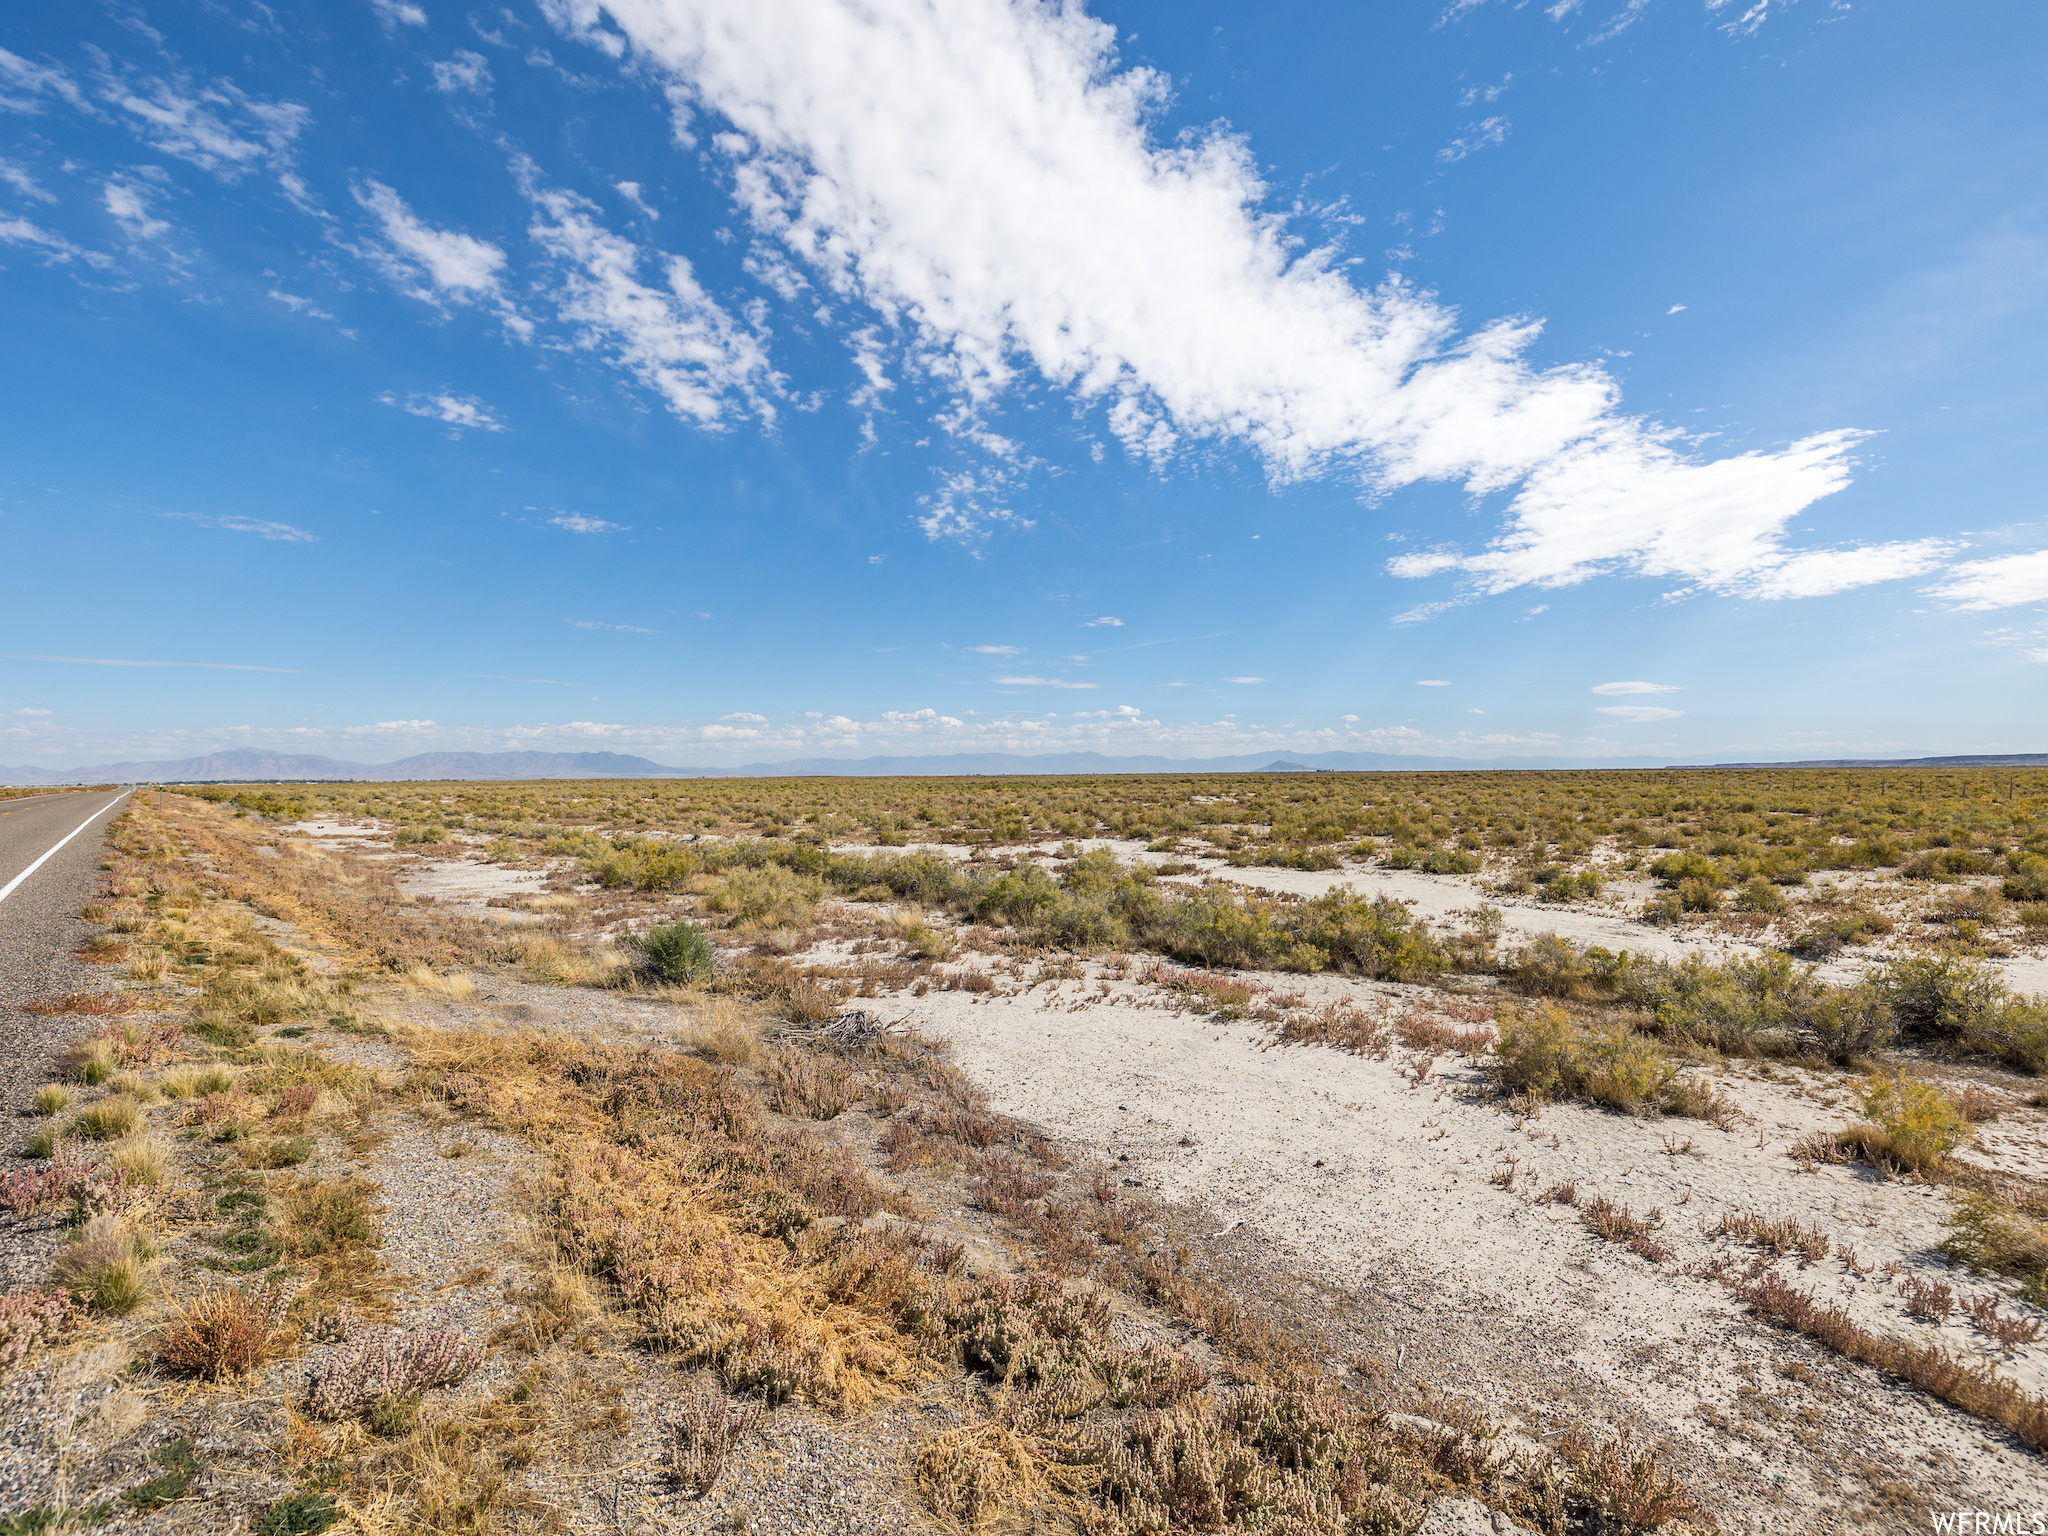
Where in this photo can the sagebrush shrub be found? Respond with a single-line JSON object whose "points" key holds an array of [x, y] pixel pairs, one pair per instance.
{"points": [[369, 1367], [678, 952]]}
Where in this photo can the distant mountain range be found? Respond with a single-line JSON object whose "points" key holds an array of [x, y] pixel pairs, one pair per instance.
{"points": [[245, 765], [1979, 760]]}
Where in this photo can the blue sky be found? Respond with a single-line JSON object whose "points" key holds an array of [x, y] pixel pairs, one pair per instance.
{"points": [[728, 381]]}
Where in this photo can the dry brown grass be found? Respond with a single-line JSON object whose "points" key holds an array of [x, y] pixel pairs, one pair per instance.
{"points": [[220, 1331], [1970, 1386]]}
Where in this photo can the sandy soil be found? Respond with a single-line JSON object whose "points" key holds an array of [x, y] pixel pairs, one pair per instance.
{"points": [[1373, 1179]]}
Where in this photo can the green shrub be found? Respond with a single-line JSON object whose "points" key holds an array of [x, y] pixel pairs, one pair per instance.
{"points": [[678, 952], [2029, 879], [1911, 1123], [1759, 895], [1551, 966], [1943, 997], [1380, 938], [1674, 869], [1987, 1234], [1849, 1025], [1541, 1052]]}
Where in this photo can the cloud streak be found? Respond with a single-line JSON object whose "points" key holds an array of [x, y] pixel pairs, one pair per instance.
{"points": [[1046, 230]]}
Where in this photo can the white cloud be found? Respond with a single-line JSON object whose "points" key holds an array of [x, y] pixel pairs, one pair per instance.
{"points": [[24, 183], [299, 305], [23, 85], [1980, 586], [1244, 679], [1104, 620], [60, 250], [630, 191], [263, 528], [1472, 95], [1481, 135], [1675, 309], [39, 713], [397, 13], [676, 340], [745, 719], [877, 559], [998, 650], [576, 522], [1432, 682], [282, 533], [466, 73], [1616, 690], [458, 411], [426, 263], [217, 127], [625, 629], [1043, 682], [131, 210], [1045, 228], [1639, 714]]}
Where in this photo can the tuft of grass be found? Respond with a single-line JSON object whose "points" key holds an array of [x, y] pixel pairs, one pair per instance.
{"points": [[454, 986], [180, 1463], [51, 1099], [303, 1514], [314, 1217], [142, 1159], [106, 1267], [110, 1119]]}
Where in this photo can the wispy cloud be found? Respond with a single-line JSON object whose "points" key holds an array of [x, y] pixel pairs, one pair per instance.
{"points": [[1432, 682], [299, 304], [1616, 690], [111, 661], [576, 522], [56, 249], [465, 74], [1639, 714], [24, 183], [626, 629], [460, 412], [1981, 586], [1043, 682], [997, 650], [433, 265], [24, 85], [677, 340], [1244, 679], [262, 528], [1104, 620], [214, 125], [1480, 135], [398, 13]]}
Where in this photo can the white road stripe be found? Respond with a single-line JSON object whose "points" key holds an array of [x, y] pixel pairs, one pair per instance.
{"points": [[7, 890]]}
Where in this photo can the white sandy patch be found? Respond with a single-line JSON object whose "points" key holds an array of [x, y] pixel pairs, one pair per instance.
{"points": [[1219, 1115]]}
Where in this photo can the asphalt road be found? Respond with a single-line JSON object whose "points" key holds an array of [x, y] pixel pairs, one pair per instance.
{"points": [[39, 926]]}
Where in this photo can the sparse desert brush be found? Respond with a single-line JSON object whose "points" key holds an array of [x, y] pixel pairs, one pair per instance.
{"points": [[555, 962], [106, 1267], [221, 1331], [31, 1320], [1987, 1233], [1540, 1051], [51, 1099], [1912, 1124], [771, 897], [369, 1368], [325, 1216], [678, 952], [706, 1427], [454, 986]]}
